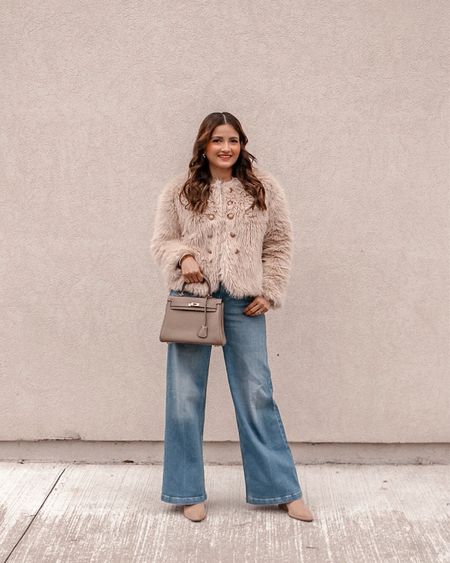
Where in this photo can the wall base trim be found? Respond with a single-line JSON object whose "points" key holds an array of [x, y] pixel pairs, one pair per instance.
{"points": [[222, 453]]}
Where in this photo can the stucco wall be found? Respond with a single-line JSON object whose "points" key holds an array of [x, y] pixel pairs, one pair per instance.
{"points": [[344, 102]]}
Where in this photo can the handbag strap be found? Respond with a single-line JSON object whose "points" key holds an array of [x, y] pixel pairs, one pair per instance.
{"points": [[205, 279], [203, 330]]}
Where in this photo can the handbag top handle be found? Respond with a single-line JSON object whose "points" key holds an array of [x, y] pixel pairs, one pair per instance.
{"points": [[204, 279]]}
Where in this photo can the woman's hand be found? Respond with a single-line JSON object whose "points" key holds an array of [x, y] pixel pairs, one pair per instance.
{"points": [[258, 306], [191, 270]]}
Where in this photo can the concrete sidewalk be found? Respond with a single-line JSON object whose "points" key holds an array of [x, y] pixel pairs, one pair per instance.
{"points": [[76, 513]]}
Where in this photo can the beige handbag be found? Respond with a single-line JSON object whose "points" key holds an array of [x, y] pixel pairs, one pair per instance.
{"points": [[193, 320]]}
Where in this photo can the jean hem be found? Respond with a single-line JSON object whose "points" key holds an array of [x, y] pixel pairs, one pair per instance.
{"points": [[183, 500], [274, 500]]}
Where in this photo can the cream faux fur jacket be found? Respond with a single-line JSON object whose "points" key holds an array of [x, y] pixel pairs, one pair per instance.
{"points": [[248, 250]]}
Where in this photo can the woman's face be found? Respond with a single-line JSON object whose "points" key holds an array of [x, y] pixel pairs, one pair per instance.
{"points": [[222, 150]]}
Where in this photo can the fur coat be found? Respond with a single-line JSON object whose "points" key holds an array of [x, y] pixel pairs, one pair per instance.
{"points": [[248, 250]]}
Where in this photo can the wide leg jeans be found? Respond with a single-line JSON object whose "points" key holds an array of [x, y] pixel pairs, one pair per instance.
{"points": [[269, 469]]}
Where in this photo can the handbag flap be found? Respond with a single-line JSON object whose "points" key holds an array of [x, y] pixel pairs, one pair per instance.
{"points": [[188, 303]]}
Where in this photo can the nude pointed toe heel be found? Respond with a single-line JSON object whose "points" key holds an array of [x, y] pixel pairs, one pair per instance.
{"points": [[297, 509], [195, 512]]}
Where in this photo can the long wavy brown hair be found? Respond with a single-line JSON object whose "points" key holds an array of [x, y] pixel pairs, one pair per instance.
{"points": [[197, 187]]}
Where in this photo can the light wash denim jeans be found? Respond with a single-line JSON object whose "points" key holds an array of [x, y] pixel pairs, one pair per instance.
{"points": [[269, 469]]}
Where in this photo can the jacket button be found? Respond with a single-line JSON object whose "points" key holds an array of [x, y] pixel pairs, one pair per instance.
{"points": [[211, 215], [231, 189], [210, 235], [209, 251], [232, 234], [230, 215], [236, 251]]}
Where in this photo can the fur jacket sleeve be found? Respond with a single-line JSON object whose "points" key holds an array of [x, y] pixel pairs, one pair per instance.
{"points": [[248, 250], [277, 245]]}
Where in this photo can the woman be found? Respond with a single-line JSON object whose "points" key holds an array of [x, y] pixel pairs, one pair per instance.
{"points": [[230, 222]]}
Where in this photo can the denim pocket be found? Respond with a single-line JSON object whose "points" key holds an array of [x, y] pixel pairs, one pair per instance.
{"points": [[244, 300]]}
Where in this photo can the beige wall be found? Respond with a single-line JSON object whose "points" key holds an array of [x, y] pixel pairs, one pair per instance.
{"points": [[345, 102]]}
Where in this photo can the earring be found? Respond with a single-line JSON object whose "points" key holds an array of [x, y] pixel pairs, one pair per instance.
{"points": [[204, 155]]}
